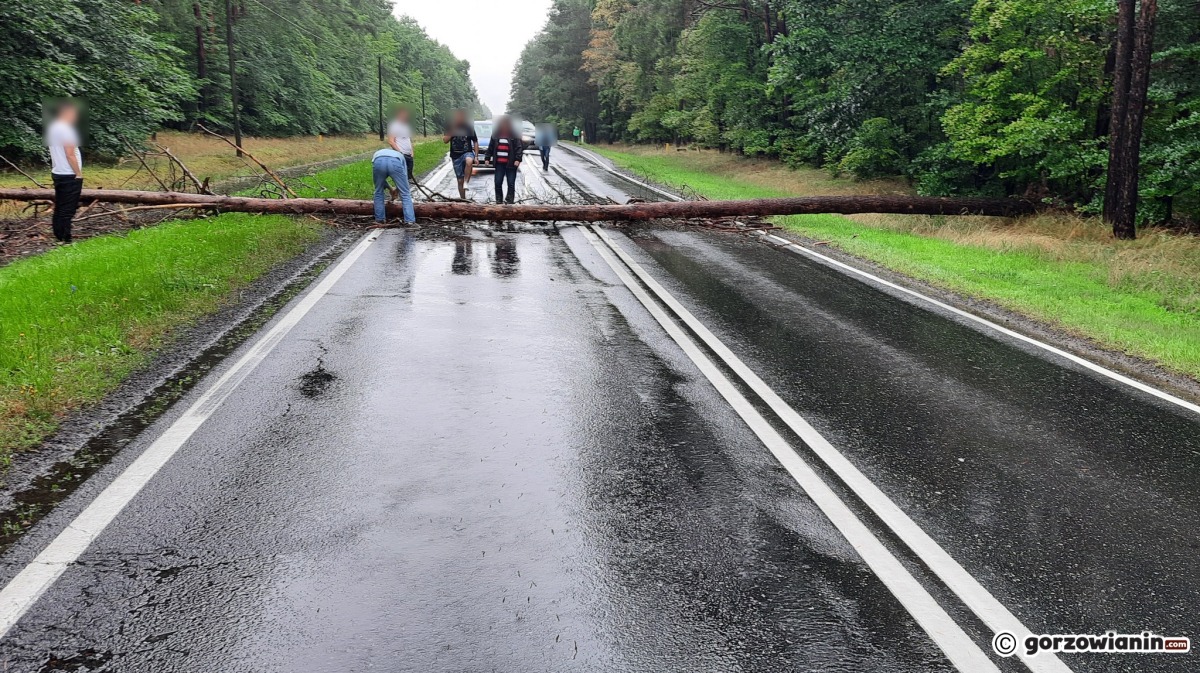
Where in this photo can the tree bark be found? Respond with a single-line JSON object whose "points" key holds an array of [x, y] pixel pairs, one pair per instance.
{"points": [[1131, 79], [845, 205]]}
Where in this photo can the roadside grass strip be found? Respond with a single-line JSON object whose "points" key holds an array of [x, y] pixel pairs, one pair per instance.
{"points": [[1137, 297], [77, 320]]}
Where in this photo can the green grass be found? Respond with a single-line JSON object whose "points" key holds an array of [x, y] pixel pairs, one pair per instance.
{"points": [[1140, 298], [354, 181], [75, 321]]}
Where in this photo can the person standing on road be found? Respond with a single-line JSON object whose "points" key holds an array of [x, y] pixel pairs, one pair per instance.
{"points": [[576, 133], [545, 138], [505, 151], [464, 147], [390, 163], [66, 166], [399, 136]]}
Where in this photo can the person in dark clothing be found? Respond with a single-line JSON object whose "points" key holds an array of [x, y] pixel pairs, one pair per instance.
{"points": [[464, 148], [545, 138], [505, 152], [62, 137]]}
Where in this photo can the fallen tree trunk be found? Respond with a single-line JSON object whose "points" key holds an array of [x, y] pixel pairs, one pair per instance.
{"points": [[845, 205]]}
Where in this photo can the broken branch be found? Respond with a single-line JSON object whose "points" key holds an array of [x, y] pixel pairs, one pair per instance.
{"points": [[261, 165]]}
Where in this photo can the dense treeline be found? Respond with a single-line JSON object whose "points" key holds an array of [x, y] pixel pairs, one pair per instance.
{"points": [[303, 67], [962, 96]]}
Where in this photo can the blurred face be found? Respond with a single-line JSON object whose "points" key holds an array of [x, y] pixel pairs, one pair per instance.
{"points": [[460, 118], [69, 114], [505, 126], [402, 115]]}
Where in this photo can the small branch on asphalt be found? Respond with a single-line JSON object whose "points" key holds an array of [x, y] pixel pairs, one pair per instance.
{"points": [[18, 169], [261, 165]]}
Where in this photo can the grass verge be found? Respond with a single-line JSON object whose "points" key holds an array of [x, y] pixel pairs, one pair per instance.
{"points": [[75, 321], [208, 157], [1138, 297]]}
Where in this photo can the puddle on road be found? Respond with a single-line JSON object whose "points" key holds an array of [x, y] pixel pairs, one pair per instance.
{"points": [[45, 492], [84, 660], [314, 383]]}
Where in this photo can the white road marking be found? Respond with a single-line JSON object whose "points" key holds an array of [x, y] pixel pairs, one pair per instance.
{"points": [[599, 164], [438, 175], [967, 588], [799, 249], [28, 586], [962, 651], [1103, 371]]}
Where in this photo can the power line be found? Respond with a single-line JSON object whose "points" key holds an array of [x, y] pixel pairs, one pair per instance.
{"points": [[295, 25]]}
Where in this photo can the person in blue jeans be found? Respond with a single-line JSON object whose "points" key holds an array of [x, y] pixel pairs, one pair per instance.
{"points": [[388, 163]]}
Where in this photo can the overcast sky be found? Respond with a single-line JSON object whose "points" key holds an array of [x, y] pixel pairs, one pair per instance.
{"points": [[488, 33]]}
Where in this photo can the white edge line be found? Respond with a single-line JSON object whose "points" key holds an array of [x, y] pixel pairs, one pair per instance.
{"points": [[963, 584], [800, 249], [960, 648], [589, 157], [24, 590], [1099, 369]]}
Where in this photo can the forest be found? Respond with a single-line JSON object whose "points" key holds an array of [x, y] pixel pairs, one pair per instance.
{"points": [[301, 67], [980, 97]]}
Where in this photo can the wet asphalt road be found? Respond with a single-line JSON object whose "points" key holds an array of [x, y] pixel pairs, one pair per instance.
{"points": [[478, 452]]}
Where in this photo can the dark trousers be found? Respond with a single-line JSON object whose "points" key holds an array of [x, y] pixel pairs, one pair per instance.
{"points": [[545, 150], [66, 202], [506, 171], [408, 159]]}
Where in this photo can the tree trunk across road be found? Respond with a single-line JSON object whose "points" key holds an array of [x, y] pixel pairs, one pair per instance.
{"points": [[845, 205]]}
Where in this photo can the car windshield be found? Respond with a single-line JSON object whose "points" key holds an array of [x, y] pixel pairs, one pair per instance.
{"points": [[483, 129]]}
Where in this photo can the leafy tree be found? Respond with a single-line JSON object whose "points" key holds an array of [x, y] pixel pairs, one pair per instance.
{"points": [[101, 51], [304, 67], [1033, 73]]}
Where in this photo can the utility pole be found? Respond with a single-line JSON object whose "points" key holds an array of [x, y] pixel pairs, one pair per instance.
{"points": [[201, 54], [381, 98], [233, 87], [424, 130]]}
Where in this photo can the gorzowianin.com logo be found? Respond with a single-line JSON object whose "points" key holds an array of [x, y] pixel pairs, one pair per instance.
{"points": [[1006, 644]]}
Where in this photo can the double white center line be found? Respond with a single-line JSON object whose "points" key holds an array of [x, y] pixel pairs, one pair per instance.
{"points": [[960, 648]]}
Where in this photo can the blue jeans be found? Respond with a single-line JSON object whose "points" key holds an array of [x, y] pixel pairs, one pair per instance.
{"points": [[460, 164], [545, 150], [396, 169]]}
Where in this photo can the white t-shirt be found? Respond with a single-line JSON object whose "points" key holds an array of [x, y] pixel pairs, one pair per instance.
{"points": [[59, 134], [403, 135]]}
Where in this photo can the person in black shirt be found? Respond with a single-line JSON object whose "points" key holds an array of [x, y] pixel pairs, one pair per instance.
{"points": [[505, 150], [464, 147]]}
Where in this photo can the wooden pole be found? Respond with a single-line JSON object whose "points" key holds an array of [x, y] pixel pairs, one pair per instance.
{"points": [[845, 205], [233, 87], [381, 99], [201, 54]]}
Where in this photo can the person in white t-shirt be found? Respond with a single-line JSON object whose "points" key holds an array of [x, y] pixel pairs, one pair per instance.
{"points": [[66, 166], [399, 137]]}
